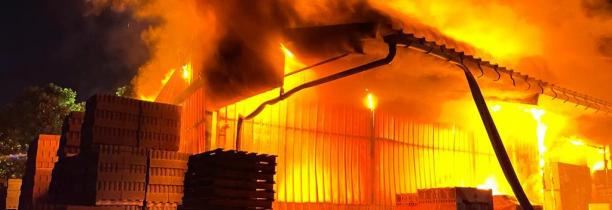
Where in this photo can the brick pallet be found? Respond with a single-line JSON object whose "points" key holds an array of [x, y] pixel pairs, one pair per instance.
{"points": [[166, 177], [80, 207], [107, 175], [42, 155], [67, 181], [127, 157], [408, 201], [12, 193], [455, 198], [602, 186], [116, 175], [71, 135], [229, 180], [2, 194], [505, 202], [128, 122]]}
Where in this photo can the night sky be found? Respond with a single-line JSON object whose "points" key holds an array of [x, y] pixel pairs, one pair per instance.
{"points": [[64, 42]]}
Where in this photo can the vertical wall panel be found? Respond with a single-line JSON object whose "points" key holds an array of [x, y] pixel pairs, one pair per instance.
{"points": [[324, 151]]}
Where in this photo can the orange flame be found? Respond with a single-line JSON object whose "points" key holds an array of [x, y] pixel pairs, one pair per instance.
{"points": [[291, 62], [370, 101], [481, 25], [187, 72]]}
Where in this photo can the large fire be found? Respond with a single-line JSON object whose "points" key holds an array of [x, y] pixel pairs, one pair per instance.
{"points": [[192, 40]]}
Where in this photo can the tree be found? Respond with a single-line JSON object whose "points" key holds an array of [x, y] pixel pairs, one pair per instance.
{"points": [[38, 110], [126, 91]]}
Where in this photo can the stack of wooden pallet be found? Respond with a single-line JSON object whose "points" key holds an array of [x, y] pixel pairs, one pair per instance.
{"points": [[229, 180]]}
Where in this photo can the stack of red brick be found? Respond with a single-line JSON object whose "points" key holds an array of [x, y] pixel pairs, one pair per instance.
{"points": [[128, 158], [506, 202], [42, 155], [455, 198], [229, 180], [3, 193], [121, 121], [165, 179], [602, 186], [70, 140], [12, 193]]}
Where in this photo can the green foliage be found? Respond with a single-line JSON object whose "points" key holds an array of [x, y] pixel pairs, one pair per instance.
{"points": [[38, 110], [126, 91]]}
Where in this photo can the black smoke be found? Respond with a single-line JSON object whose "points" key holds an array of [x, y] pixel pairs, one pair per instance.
{"points": [[63, 42]]}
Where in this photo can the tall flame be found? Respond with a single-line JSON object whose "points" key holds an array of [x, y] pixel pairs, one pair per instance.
{"points": [[541, 134]]}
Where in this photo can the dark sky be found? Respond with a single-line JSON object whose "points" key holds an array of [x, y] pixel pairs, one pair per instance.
{"points": [[59, 41]]}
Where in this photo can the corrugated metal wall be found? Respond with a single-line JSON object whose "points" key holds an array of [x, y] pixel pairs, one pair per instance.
{"points": [[193, 123], [326, 158]]}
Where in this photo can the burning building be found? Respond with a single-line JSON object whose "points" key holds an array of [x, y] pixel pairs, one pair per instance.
{"points": [[356, 128], [366, 100]]}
